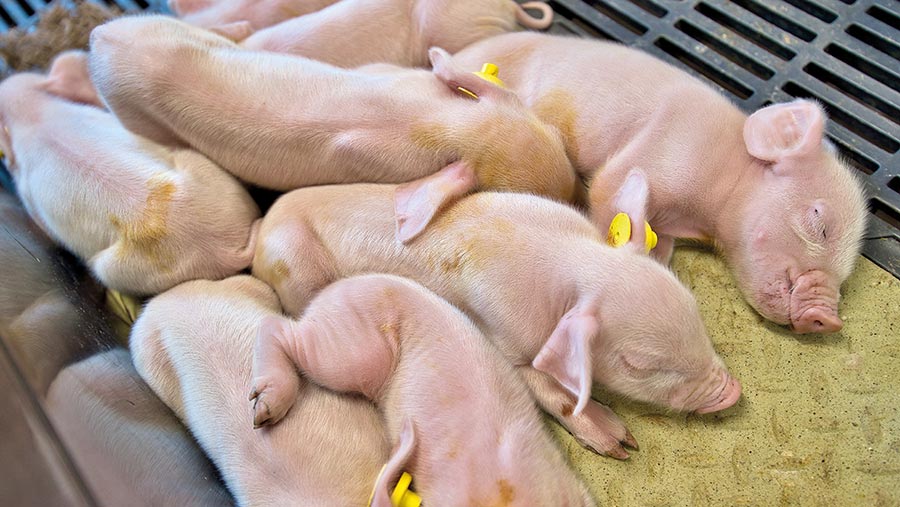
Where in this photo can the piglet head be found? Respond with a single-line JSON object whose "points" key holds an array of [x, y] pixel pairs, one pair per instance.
{"points": [[642, 338], [802, 227], [656, 348]]}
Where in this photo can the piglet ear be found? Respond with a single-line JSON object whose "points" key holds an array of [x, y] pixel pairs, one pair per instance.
{"points": [[236, 31], [450, 74], [566, 356], [417, 202], [784, 130], [394, 467], [69, 79], [632, 199]]}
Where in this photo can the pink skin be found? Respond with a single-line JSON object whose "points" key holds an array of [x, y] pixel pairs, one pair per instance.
{"points": [[142, 216], [68, 78], [319, 124], [471, 439], [536, 277], [786, 213], [258, 13], [124, 441], [193, 345], [350, 33]]}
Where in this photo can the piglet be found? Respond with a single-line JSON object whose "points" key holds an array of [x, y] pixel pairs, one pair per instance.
{"points": [[283, 122], [128, 446], [535, 275], [144, 217], [768, 190], [194, 344], [257, 14], [69, 78], [464, 424], [351, 33]]}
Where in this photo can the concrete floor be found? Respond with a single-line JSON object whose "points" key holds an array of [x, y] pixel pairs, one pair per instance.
{"points": [[818, 423]]}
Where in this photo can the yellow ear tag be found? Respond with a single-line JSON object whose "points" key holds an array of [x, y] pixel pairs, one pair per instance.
{"points": [[620, 232], [489, 72], [401, 496]]}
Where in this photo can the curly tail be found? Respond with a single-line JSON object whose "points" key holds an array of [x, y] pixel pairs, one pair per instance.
{"points": [[528, 21]]}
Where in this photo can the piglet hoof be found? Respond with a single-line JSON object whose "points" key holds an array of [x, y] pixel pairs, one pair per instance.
{"points": [[600, 429], [270, 402]]}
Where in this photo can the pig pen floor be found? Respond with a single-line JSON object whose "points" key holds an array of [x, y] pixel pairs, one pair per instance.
{"points": [[818, 422]]}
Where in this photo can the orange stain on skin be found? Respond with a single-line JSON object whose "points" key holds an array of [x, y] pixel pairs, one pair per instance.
{"points": [[505, 496], [507, 493], [391, 331], [144, 236], [557, 108], [472, 250], [517, 160], [280, 271], [453, 453]]}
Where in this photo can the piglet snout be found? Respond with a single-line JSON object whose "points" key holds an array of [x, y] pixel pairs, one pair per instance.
{"points": [[727, 395], [814, 302], [818, 320]]}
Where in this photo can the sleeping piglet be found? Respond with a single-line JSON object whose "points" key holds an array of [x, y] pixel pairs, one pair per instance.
{"points": [[284, 122], [257, 14], [464, 425], [143, 217], [351, 33], [194, 344], [768, 190], [536, 277]]}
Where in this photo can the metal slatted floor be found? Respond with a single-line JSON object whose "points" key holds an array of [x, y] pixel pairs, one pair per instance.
{"points": [[843, 53]]}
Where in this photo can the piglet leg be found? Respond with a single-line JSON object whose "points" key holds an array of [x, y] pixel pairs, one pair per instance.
{"points": [[596, 427], [274, 379], [337, 345]]}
